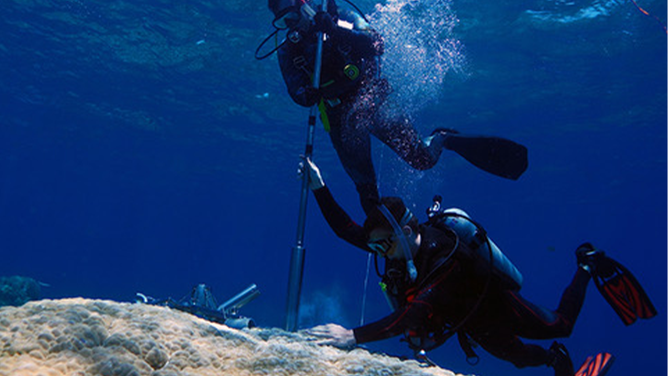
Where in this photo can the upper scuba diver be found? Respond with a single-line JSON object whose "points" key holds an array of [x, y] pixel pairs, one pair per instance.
{"points": [[351, 97], [446, 277]]}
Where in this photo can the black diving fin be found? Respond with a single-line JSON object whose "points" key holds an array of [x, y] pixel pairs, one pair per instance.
{"points": [[621, 290], [495, 155], [597, 365]]}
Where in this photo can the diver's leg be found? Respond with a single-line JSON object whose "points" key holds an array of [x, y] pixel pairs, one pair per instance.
{"points": [[400, 135], [510, 348], [352, 143], [573, 297], [533, 321]]}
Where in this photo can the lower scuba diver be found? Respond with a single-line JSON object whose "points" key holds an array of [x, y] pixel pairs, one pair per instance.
{"points": [[445, 277], [352, 98]]}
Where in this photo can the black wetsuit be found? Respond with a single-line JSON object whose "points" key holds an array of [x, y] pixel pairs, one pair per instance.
{"points": [[353, 106], [445, 293]]}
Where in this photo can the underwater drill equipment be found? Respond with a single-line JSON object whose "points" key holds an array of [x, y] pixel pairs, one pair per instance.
{"points": [[296, 273], [233, 305], [202, 303]]}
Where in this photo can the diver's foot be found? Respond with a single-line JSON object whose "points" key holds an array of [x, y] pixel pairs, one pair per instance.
{"points": [[442, 134], [560, 360], [444, 131], [588, 256]]}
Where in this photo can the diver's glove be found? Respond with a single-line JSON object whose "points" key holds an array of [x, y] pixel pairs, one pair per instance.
{"points": [[333, 335], [315, 180], [324, 23]]}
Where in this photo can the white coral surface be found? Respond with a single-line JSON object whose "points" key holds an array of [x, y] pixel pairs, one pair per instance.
{"points": [[81, 337]]}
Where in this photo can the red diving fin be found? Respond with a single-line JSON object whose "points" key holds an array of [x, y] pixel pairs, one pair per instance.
{"points": [[622, 291], [597, 365]]}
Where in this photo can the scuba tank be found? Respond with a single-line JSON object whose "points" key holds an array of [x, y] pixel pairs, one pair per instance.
{"points": [[475, 237]]}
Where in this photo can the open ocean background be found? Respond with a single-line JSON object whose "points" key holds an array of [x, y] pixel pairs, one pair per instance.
{"points": [[144, 149]]}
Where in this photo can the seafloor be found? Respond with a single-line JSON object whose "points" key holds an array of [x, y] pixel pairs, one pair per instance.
{"points": [[82, 337]]}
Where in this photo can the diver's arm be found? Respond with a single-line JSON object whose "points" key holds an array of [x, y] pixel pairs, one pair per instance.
{"points": [[344, 227], [337, 218], [434, 295], [390, 326], [414, 315]]}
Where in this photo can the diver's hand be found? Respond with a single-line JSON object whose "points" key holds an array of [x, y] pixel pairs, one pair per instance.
{"points": [[315, 180], [333, 335]]}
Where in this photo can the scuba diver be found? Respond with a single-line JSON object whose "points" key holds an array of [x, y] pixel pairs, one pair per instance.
{"points": [[446, 277], [351, 97]]}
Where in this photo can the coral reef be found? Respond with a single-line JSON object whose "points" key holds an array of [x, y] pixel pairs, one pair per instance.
{"points": [[81, 337], [17, 290]]}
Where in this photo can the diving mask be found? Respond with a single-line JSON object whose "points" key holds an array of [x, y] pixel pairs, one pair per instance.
{"points": [[381, 246]]}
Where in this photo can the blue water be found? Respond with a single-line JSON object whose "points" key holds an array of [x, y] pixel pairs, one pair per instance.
{"points": [[144, 149]]}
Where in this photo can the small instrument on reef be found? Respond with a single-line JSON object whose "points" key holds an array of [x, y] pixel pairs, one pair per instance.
{"points": [[202, 303]]}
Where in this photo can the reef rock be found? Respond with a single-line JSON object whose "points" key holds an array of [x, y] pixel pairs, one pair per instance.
{"points": [[81, 337], [17, 290]]}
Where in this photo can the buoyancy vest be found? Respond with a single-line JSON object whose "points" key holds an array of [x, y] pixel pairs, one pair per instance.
{"points": [[344, 67]]}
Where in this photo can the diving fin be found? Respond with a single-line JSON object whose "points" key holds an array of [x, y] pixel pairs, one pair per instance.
{"points": [[597, 365], [495, 155], [621, 290]]}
